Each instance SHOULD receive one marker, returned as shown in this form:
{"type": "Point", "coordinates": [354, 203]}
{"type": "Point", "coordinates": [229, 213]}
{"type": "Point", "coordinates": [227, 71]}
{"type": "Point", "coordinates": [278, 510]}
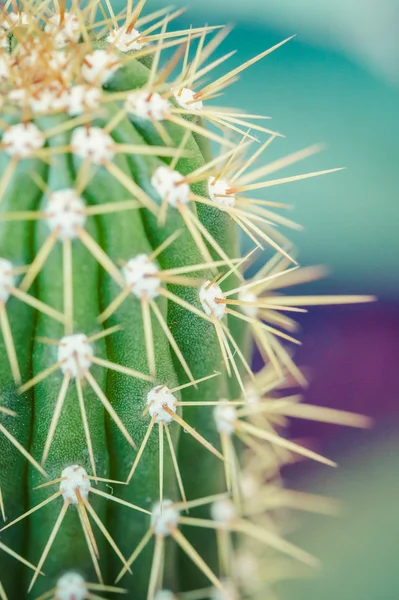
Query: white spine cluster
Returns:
{"type": "Point", "coordinates": [185, 99]}
{"type": "Point", "coordinates": [147, 105]}
{"type": "Point", "coordinates": [99, 66]}
{"type": "Point", "coordinates": [65, 213]}
{"type": "Point", "coordinates": [75, 351]}
{"type": "Point", "coordinates": [81, 98]}
{"type": "Point", "coordinates": [248, 296]}
{"type": "Point", "coordinates": [249, 485]}
{"type": "Point", "coordinates": [48, 100]}
{"type": "Point", "coordinates": [218, 193]}
{"type": "Point", "coordinates": [93, 143]}
{"type": "Point", "coordinates": [74, 478]}
{"type": "Point", "coordinates": [170, 186]}
{"type": "Point", "coordinates": [15, 19]}
{"type": "Point", "coordinates": [247, 570]}
{"type": "Point", "coordinates": [125, 40]}
{"type": "Point", "coordinates": [22, 140]}
{"type": "Point", "coordinates": [225, 417]}
{"type": "Point", "coordinates": [223, 512]}
{"type": "Point", "coordinates": [140, 276]}
{"type": "Point", "coordinates": [253, 396]}
{"type": "Point", "coordinates": [208, 294]}
{"type": "Point", "coordinates": [6, 279]}
{"type": "Point", "coordinates": [63, 32]}
{"type": "Point", "coordinates": [71, 586]}
{"type": "Point", "coordinates": [157, 398]}
{"type": "Point", "coordinates": [164, 518]}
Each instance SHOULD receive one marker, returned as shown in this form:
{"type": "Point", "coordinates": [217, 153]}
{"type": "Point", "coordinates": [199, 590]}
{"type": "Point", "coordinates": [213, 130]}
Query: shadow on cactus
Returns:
{"type": "Point", "coordinates": [137, 447]}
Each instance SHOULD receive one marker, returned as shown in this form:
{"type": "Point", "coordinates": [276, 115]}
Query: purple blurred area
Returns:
{"type": "Point", "coordinates": [351, 358]}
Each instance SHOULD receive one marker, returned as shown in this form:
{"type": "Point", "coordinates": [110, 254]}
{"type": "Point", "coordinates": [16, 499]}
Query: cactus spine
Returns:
{"type": "Point", "coordinates": [134, 435]}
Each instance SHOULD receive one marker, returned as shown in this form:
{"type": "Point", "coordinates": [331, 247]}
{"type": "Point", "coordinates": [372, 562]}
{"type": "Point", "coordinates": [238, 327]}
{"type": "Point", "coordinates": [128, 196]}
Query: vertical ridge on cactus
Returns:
{"type": "Point", "coordinates": [127, 319]}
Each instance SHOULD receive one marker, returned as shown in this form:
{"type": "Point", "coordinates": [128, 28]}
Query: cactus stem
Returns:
{"type": "Point", "coordinates": [53, 534]}
{"type": "Point", "coordinates": [175, 464]}
{"type": "Point", "coordinates": [106, 533]}
{"type": "Point", "coordinates": [138, 550]}
{"type": "Point", "coordinates": [8, 175]}
{"type": "Point", "coordinates": [57, 413]}
{"type": "Point", "coordinates": [195, 557]}
{"type": "Point", "coordinates": [36, 266]}
{"type": "Point", "coordinates": [97, 120]}
{"type": "Point", "coordinates": [17, 556]}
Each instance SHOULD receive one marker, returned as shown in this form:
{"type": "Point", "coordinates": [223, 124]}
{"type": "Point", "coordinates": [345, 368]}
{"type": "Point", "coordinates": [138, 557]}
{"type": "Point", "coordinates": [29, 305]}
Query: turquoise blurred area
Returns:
{"type": "Point", "coordinates": [316, 94]}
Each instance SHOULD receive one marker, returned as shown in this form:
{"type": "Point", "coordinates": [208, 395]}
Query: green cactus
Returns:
{"type": "Point", "coordinates": [128, 402]}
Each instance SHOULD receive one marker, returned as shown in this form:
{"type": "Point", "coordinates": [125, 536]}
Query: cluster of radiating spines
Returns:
{"type": "Point", "coordinates": [49, 71]}
{"type": "Point", "coordinates": [237, 511]}
{"type": "Point", "coordinates": [72, 586]}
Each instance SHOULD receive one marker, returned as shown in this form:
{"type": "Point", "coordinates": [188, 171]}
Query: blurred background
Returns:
{"type": "Point", "coordinates": [337, 82]}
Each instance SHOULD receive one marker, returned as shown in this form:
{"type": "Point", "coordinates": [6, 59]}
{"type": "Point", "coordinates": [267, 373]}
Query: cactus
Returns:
{"type": "Point", "coordinates": [138, 448]}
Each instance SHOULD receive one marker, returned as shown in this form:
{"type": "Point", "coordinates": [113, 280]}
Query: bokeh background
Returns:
{"type": "Point", "coordinates": [337, 82]}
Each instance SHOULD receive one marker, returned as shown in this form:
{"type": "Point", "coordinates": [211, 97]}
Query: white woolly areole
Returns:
{"type": "Point", "coordinates": [248, 296]}
{"type": "Point", "coordinates": [81, 98]}
{"type": "Point", "coordinates": [99, 66]}
{"type": "Point", "coordinates": [22, 140]}
{"type": "Point", "coordinates": [157, 398]}
{"type": "Point", "coordinates": [223, 512]}
{"type": "Point", "coordinates": [13, 19]}
{"type": "Point", "coordinates": [75, 351]}
{"type": "Point", "coordinates": [164, 517]}
{"type": "Point", "coordinates": [246, 568]}
{"type": "Point", "coordinates": [146, 105]}
{"type": "Point", "coordinates": [249, 485]}
{"type": "Point", "coordinates": [66, 212]}
{"type": "Point", "coordinates": [18, 96]}
{"type": "Point", "coordinates": [225, 417]}
{"type": "Point", "coordinates": [252, 394]}
{"type": "Point", "coordinates": [170, 186]}
{"type": "Point", "coordinates": [217, 191]}
{"type": "Point", "coordinates": [228, 592]}
{"type": "Point", "coordinates": [164, 595]}
{"type": "Point", "coordinates": [6, 279]}
{"type": "Point", "coordinates": [139, 274]}
{"type": "Point", "coordinates": [208, 294]}
{"type": "Point", "coordinates": [74, 478]}
{"type": "Point", "coordinates": [59, 62]}
{"type": "Point", "coordinates": [48, 99]}
{"type": "Point", "coordinates": [185, 99]}
{"type": "Point", "coordinates": [62, 33]}
{"type": "Point", "coordinates": [125, 40]}
{"type": "Point", "coordinates": [93, 142]}
{"type": "Point", "coordinates": [71, 586]}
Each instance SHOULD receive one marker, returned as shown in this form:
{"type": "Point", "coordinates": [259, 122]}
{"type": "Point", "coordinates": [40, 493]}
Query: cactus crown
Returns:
{"type": "Point", "coordinates": [128, 318]}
